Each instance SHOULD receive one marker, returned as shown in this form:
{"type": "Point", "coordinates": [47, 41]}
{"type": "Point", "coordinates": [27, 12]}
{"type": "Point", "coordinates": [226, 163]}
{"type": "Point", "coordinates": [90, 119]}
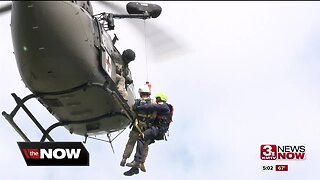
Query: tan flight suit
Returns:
{"type": "Point", "coordinates": [131, 143]}
{"type": "Point", "coordinates": [120, 81]}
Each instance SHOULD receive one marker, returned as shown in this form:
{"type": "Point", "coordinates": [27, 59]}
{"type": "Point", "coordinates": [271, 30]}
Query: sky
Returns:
{"type": "Point", "coordinates": [239, 74]}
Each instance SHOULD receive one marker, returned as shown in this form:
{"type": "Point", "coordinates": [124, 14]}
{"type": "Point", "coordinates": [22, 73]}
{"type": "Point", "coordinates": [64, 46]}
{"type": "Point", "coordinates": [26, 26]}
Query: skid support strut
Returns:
{"type": "Point", "coordinates": [20, 104]}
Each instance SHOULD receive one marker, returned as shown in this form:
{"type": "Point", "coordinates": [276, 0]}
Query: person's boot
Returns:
{"type": "Point", "coordinates": [133, 164]}
{"type": "Point", "coordinates": [131, 171]}
{"type": "Point", "coordinates": [123, 162]}
{"type": "Point", "coordinates": [142, 167]}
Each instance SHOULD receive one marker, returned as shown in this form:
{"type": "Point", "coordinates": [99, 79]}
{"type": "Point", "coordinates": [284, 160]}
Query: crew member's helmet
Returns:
{"type": "Point", "coordinates": [144, 90]}
{"type": "Point", "coordinates": [163, 96]}
{"type": "Point", "coordinates": [128, 56]}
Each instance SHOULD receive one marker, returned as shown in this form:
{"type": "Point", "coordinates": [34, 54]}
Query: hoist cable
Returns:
{"type": "Point", "coordinates": [145, 48]}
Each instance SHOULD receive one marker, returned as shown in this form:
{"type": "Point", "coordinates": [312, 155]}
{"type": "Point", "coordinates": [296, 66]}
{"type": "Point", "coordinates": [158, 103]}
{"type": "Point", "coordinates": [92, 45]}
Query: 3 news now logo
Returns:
{"type": "Point", "coordinates": [286, 152]}
{"type": "Point", "coordinates": [54, 153]}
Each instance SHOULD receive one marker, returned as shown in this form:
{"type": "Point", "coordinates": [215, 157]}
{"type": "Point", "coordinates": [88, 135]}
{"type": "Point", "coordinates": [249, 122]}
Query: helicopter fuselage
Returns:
{"type": "Point", "coordinates": [65, 57]}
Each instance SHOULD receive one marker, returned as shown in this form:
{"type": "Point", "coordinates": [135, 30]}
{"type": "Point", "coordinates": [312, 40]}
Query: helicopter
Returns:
{"type": "Point", "coordinates": [67, 59]}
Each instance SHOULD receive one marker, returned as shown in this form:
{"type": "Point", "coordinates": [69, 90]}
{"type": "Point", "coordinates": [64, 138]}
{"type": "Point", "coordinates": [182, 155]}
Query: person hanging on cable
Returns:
{"type": "Point", "coordinates": [140, 124]}
{"type": "Point", "coordinates": [159, 126]}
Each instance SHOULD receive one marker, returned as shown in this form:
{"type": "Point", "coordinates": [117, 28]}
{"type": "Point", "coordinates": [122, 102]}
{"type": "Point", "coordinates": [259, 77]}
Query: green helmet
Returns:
{"type": "Point", "coordinates": [162, 96]}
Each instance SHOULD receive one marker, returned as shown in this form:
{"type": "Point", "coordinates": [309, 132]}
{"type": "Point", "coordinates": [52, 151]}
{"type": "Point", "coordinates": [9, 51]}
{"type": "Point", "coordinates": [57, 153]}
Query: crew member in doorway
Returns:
{"type": "Point", "coordinates": [123, 74]}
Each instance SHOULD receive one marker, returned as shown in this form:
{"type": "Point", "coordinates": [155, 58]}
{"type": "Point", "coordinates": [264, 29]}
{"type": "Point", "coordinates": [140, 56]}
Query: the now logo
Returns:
{"type": "Point", "coordinates": [54, 153]}
{"type": "Point", "coordinates": [58, 153]}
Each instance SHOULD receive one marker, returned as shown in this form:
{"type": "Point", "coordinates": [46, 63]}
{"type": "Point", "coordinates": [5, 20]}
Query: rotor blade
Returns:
{"type": "Point", "coordinates": [5, 8]}
{"type": "Point", "coordinates": [163, 44]}
{"type": "Point", "coordinates": [117, 8]}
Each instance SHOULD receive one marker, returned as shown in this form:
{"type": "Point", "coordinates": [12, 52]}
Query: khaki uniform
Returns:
{"type": "Point", "coordinates": [121, 86]}
{"type": "Point", "coordinates": [121, 81]}
{"type": "Point", "coordinates": [134, 134]}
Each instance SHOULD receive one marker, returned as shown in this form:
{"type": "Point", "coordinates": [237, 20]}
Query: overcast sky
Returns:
{"type": "Point", "coordinates": [239, 74]}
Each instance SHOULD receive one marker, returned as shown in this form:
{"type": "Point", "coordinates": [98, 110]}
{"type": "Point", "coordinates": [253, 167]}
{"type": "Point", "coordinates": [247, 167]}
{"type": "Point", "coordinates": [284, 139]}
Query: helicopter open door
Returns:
{"type": "Point", "coordinates": [109, 56]}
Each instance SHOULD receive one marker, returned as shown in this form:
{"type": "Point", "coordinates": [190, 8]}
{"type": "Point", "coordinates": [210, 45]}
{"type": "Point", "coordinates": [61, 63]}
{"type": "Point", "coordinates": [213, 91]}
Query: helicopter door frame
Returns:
{"type": "Point", "coordinates": [105, 61]}
{"type": "Point", "coordinates": [105, 52]}
{"type": "Point", "coordinates": [96, 29]}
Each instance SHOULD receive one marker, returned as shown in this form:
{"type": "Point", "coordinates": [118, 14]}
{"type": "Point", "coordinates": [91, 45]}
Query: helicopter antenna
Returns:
{"type": "Point", "coordinates": [145, 49]}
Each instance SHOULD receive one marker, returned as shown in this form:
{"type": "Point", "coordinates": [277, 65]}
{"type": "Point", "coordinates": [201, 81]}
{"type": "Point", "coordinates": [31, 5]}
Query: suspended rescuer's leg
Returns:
{"type": "Point", "coordinates": [133, 135]}
{"type": "Point", "coordinates": [149, 135]}
{"type": "Point", "coordinates": [144, 156]}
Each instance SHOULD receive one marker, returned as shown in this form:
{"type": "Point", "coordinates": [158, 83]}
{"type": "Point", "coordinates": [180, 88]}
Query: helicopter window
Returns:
{"type": "Point", "coordinates": [96, 33]}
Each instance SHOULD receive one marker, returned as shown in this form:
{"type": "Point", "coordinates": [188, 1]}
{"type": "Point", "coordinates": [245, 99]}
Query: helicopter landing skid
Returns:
{"type": "Point", "coordinates": [108, 136]}
{"type": "Point", "coordinates": [20, 104]}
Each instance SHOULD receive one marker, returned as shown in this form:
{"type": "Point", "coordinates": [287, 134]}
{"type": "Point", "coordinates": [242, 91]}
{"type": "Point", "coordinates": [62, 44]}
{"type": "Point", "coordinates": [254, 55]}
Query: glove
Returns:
{"type": "Point", "coordinates": [129, 81]}
{"type": "Point", "coordinates": [142, 135]}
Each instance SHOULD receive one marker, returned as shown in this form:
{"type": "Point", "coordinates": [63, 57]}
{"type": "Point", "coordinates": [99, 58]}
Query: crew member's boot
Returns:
{"type": "Point", "coordinates": [142, 167]}
{"type": "Point", "coordinates": [123, 162]}
{"type": "Point", "coordinates": [133, 164]}
{"type": "Point", "coordinates": [131, 171]}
